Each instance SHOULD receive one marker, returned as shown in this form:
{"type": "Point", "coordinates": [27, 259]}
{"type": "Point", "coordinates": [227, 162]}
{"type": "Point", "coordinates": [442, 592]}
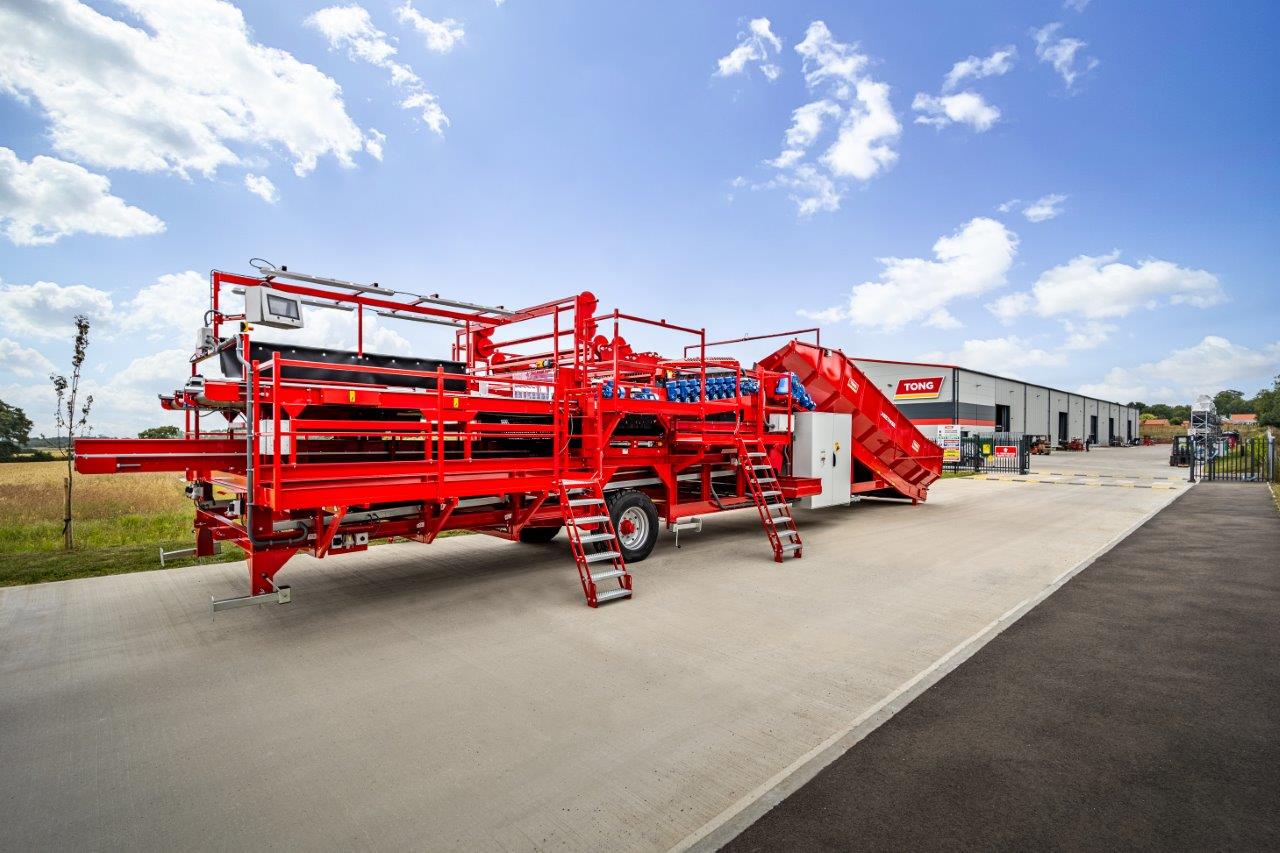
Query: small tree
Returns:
{"type": "Point", "coordinates": [15, 430]}
{"type": "Point", "coordinates": [70, 420]}
{"type": "Point", "coordinates": [160, 432]}
{"type": "Point", "coordinates": [1231, 402]}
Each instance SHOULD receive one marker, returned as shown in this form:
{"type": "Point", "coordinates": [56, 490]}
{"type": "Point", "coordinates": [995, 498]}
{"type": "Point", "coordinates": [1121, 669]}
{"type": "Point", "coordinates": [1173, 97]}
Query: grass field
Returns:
{"type": "Point", "coordinates": [121, 523]}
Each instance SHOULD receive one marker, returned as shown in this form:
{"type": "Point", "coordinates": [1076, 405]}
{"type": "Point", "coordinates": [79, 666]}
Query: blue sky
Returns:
{"type": "Point", "coordinates": [605, 146]}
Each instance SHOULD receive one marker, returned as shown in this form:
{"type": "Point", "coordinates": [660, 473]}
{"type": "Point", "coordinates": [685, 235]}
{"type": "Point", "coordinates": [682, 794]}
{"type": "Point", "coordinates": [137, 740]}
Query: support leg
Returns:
{"type": "Point", "coordinates": [263, 566]}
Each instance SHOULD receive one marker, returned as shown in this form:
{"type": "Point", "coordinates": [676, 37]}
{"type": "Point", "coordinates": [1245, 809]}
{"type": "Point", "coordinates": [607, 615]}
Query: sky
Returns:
{"type": "Point", "coordinates": [1084, 194]}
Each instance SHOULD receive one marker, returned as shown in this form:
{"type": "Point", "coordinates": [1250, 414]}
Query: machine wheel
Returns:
{"type": "Point", "coordinates": [635, 520]}
{"type": "Point", "coordinates": [538, 535]}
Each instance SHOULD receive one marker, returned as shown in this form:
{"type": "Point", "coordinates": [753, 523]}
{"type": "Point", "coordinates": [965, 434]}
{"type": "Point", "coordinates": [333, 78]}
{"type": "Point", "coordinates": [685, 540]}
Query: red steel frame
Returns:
{"type": "Point", "coordinates": [314, 483]}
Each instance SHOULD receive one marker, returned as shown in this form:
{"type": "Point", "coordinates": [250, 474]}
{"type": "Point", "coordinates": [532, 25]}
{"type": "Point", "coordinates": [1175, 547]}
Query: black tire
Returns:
{"type": "Point", "coordinates": [538, 535]}
{"type": "Point", "coordinates": [631, 503]}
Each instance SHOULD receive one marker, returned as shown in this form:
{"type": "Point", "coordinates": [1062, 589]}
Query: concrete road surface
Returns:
{"type": "Point", "coordinates": [461, 695]}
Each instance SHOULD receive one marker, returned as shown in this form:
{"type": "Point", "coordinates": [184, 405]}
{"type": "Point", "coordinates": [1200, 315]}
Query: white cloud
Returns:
{"type": "Point", "coordinates": [806, 125]}
{"type": "Point", "coordinates": [1101, 286]}
{"type": "Point", "coordinates": [967, 107]}
{"type": "Point", "coordinates": [1006, 356]}
{"type": "Point", "coordinates": [1007, 206]}
{"type": "Point", "coordinates": [164, 368]}
{"type": "Point", "coordinates": [44, 310]}
{"type": "Point", "coordinates": [1062, 53]}
{"type": "Point", "coordinates": [47, 199]}
{"type": "Point", "coordinates": [440, 36]}
{"type": "Point", "coordinates": [186, 89]}
{"type": "Point", "coordinates": [23, 361]}
{"type": "Point", "coordinates": [373, 143]}
{"type": "Point", "coordinates": [170, 308]}
{"type": "Point", "coordinates": [998, 63]}
{"type": "Point", "coordinates": [756, 45]}
{"type": "Point", "coordinates": [962, 108]}
{"type": "Point", "coordinates": [812, 191]}
{"type": "Point", "coordinates": [1089, 334]}
{"type": "Point", "coordinates": [970, 262]}
{"type": "Point", "coordinates": [854, 112]}
{"type": "Point", "coordinates": [864, 145]}
{"type": "Point", "coordinates": [261, 186]}
{"type": "Point", "coordinates": [351, 29]}
{"type": "Point", "coordinates": [1204, 368]}
{"type": "Point", "coordinates": [1045, 207]}
{"type": "Point", "coordinates": [827, 60]}
{"type": "Point", "coordinates": [1011, 306]}
{"type": "Point", "coordinates": [1075, 5]}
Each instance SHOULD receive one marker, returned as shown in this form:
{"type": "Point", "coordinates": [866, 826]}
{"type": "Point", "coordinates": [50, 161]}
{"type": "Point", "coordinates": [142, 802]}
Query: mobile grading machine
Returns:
{"type": "Point", "coordinates": [544, 418]}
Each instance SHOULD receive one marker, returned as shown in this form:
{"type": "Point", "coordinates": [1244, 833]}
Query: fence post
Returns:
{"type": "Point", "coordinates": [1191, 459]}
{"type": "Point", "coordinates": [1271, 457]}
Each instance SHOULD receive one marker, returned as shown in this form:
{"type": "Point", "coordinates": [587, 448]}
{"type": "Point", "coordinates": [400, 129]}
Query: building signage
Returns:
{"type": "Point", "coordinates": [949, 441]}
{"type": "Point", "coordinates": [927, 388]}
{"type": "Point", "coordinates": [1003, 450]}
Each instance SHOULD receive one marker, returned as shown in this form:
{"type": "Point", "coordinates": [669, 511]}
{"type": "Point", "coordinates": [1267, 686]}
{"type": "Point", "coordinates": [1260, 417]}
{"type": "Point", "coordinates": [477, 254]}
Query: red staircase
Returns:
{"type": "Point", "coordinates": [766, 491]}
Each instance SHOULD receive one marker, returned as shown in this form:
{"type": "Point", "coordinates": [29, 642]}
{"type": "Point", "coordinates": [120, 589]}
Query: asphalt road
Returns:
{"type": "Point", "coordinates": [1134, 709]}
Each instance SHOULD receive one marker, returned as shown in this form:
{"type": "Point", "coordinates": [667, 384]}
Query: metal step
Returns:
{"type": "Point", "coordinates": [589, 519]}
{"type": "Point", "coordinates": [602, 555]}
{"type": "Point", "coordinates": [762, 467]}
{"type": "Point", "coordinates": [602, 597]}
{"type": "Point", "coordinates": [687, 525]}
{"type": "Point", "coordinates": [788, 532]}
{"type": "Point", "coordinates": [794, 546]}
{"type": "Point", "coordinates": [757, 454]}
{"type": "Point", "coordinates": [766, 479]}
{"type": "Point", "coordinates": [595, 537]}
{"type": "Point", "coordinates": [585, 501]}
{"type": "Point", "coordinates": [604, 576]}
{"type": "Point", "coordinates": [770, 493]}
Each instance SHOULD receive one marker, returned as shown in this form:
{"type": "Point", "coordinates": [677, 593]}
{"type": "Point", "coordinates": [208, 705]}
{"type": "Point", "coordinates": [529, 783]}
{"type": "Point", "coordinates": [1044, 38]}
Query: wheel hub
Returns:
{"type": "Point", "coordinates": [633, 528]}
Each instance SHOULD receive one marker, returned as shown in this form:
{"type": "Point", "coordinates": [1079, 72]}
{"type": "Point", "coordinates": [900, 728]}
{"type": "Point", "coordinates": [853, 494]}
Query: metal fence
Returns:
{"type": "Point", "coordinates": [1248, 460]}
{"type": "Point", "coordinates": [1004, 452]}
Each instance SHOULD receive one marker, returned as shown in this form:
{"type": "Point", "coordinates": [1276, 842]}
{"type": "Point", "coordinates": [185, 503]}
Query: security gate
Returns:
{"type": "Point", "coordinates": [1250, 460]}
{"type": "Point", "coordinates": [1003, 452]}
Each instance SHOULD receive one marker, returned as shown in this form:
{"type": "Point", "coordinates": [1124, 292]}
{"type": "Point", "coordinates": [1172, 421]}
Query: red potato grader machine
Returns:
{"type": "Point", "coordinates": [544, 418]}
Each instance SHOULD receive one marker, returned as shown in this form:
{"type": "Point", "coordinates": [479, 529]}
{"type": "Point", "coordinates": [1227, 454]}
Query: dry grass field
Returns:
{"type": "Point", "coordinates": [120, 522]}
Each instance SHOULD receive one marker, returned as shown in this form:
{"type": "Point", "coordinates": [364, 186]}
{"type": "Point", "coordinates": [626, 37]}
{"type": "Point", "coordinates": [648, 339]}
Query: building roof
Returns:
{"type": "Point", "coordinates": [857, 358]}
{"type": "Point", "coordinates": [1243, 418]}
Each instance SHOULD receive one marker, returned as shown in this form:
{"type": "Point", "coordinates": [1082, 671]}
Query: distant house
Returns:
{"type": "Point", "coordinates": [1156, 422]}
{"type": "Point", "coordinates": [1241, 418]}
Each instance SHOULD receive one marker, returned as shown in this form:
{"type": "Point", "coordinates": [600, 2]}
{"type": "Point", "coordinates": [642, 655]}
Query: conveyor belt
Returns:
{"type": "Point", "coordinates": [884, 439]}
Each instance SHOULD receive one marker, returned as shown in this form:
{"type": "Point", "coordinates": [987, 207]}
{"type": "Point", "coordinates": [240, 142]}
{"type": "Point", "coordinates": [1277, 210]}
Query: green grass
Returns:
{"type": "Point", "coordinates": [121, 523]}
{"type": "Point", "coordinates": [951, 475]}
{"type": "Point", "coordinates": [45, 566]}
{"type": "Point", "coordinates": [32, 552]}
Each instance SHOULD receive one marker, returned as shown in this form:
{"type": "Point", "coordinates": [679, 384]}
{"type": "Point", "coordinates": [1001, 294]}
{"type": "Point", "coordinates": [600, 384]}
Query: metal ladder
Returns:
{"type": "Point", "coordinates": [775, 513]}
{"type": "Point", "coordinates": [582, 506]}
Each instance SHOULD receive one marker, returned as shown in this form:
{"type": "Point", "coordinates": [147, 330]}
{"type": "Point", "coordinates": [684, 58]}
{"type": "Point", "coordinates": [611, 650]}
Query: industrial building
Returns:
{"type": "Point", "coordinates": [936, 394]}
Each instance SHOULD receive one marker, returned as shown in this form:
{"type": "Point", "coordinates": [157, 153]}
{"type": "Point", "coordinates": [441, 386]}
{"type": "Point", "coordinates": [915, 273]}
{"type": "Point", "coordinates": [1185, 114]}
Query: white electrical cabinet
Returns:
{"type": "Point", "coordinates": [821, 448]}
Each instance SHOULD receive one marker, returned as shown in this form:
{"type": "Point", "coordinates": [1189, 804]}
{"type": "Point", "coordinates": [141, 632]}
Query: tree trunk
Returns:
{"type": "Point", "coordinates": [68, 540]}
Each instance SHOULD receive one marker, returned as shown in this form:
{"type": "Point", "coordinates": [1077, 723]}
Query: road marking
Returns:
{"type": "Point", "coordinates": [1076, 483]}
{"type": "Point", "coordinates": [1106, 476]}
